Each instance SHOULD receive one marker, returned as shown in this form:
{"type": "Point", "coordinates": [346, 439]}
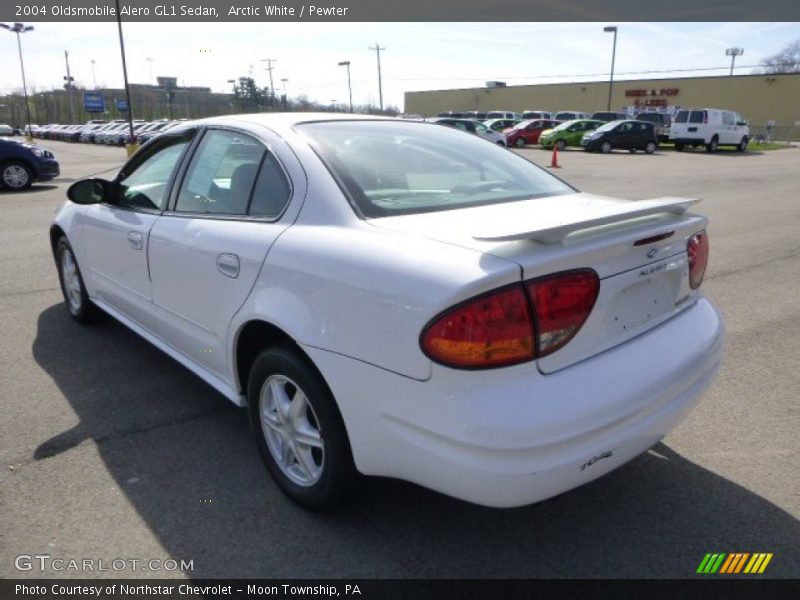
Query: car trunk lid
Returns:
{"type": "Point", "coordinates": [637, 248]}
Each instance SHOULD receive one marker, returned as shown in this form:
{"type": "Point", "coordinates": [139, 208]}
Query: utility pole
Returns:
{"type": "Point", "coordinates": [378, 49]}
{"type": "Point", "coordinates": [94, 77]}
{"type": "Point", "coordinates": [69, 79]}
{"type": "Point", "coordinates": [269, 68]}
{"type": "Point", "coordinates": [611, 29]}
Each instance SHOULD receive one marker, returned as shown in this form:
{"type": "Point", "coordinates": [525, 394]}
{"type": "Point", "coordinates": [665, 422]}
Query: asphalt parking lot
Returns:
{"type": "Point", "coordinates": [111, 450]}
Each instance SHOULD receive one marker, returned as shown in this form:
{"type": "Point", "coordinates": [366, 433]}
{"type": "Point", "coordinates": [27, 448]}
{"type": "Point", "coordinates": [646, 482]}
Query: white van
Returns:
{"type": "Point", "coordinates": [502, 114]}
{"type": "Point", "coordinates": [571, 115]}
{"type": "Point", "coordinates": [709, 127]}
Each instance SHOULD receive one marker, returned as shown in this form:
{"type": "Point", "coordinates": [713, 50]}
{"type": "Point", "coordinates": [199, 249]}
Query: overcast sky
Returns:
{"type": "Point", "coordinates": [418, 56]}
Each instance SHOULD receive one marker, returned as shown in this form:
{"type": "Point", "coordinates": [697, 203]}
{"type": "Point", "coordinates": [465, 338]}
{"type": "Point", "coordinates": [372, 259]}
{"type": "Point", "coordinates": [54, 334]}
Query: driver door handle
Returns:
{"type": "Point", "coordinates": [135, 240]}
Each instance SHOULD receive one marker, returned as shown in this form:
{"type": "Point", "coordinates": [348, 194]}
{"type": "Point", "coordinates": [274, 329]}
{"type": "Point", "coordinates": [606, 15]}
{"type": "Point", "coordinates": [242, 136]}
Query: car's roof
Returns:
{"type": "Point", "coordinates": [284, 121]}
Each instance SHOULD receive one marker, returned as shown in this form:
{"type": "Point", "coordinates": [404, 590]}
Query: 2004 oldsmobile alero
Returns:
{"type": "Point", "coordinates": [402, 299]}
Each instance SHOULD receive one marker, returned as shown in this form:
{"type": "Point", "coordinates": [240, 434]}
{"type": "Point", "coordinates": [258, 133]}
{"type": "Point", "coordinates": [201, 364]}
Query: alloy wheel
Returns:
{"type": "Point", "coordinates": [291, 430]}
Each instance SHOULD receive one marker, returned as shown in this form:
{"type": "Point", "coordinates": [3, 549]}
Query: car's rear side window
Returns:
{"type": "Point", "coordinates": [390, 168]}
{"type": "Point", "coordinates": [682, 116]}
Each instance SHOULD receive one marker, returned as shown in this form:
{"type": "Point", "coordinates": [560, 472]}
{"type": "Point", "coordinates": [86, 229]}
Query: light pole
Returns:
{"type": "Point", "coordinates": [609, 29]}
{"type": "Point", "coordinates": [150, 63]}
{"type": "Point", "coordinates": [378, 49]}
{"type": "Point", "coordinates": [132, 147]}
{"type": "Point", "coordinates": [346, 63]}
{"type": "Point", "coordinates": [21, 28]}
{"type": "Point", "coordinates": [94, 77]}
{"type": "Point", "coordinates": [733, 53]}
{"type": "Point", "coordinates": [285, 98]}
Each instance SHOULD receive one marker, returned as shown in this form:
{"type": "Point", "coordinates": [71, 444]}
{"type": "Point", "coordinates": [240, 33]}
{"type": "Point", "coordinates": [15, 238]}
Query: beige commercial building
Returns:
{"type": "Point", "coordinates": [760, 99]}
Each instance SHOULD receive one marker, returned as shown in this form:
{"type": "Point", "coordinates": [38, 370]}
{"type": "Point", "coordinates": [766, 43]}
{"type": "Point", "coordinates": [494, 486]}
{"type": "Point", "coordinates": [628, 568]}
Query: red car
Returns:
{"type": "Point", "coordinates": [528, 132]}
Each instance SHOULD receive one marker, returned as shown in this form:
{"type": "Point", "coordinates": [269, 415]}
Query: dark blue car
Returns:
{"type": "Point", "coordinates": [21, 164]}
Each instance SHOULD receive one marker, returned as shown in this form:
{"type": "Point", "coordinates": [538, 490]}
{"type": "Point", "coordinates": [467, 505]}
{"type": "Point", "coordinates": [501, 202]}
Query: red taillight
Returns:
{"type": "Point", "coordinates": [497, 329]}
{"type": "Point", "coordinates": [489, 331]}
{"type": "Point", "coordinates": [697, 250]}
{"type": "Point", "coordinates": [562, 303]}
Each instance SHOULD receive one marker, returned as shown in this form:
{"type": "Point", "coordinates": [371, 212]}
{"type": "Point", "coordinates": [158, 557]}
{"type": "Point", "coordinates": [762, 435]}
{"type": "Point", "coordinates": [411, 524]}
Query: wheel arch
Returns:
{"type": "Point", "coordinates": [56, 233]}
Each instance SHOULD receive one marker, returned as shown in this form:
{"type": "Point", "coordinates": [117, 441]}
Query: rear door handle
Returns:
{"type": "Point", "coordinates": [228, 265]}
{"type": "Point", "coordinates": [135, 240]}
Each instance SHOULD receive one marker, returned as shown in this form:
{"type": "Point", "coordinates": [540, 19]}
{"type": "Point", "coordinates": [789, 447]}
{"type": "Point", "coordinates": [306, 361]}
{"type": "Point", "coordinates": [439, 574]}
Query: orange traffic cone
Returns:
{"type": "Point", "coordinates": [554, 160]}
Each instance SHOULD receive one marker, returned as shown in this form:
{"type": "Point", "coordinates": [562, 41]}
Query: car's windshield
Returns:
{"type": "Point", "coordinates": [565, 125]}
{"type": "Point", "coordinates": [608, 126]}
{"type": "Point", "coordinates": [390, 168]}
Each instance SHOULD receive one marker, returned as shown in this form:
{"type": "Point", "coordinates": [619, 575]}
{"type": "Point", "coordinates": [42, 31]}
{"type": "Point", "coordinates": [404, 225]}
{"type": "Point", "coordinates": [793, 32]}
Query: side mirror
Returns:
{"type": "Point", "coordinates": [89, 191]}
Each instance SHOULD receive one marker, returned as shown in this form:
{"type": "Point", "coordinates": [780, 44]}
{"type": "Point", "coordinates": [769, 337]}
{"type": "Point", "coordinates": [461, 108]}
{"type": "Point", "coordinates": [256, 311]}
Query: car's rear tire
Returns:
{"type": "Point", "coordinates": [79, 305]}
{"type": "Point", "coordinates": [299, 431]}
{"type": "Point", "coordinates": [712, 145]}
{"type": "Point", "coordinates": [650, 147]}
{"type": "Point", "coordinates": [742, 145]}
{"type": "Point", "coordinates": [632, 150]}
{"type": "Point", "coordinates": [605, 147]}
{"type": "Point", "coordinates": [560, 145]}
{"type": "Point", "coordinates": [520, 143]}
{"type": "Point", "coordinates": [15, 175]}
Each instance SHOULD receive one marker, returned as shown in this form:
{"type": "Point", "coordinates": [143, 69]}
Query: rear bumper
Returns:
{"type": "Point", "coordinates": [510, 437]}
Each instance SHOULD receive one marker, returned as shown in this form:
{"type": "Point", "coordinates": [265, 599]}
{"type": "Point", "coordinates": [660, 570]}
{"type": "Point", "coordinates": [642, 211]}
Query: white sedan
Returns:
{"type": "Point", "coordinates": [396, 298]}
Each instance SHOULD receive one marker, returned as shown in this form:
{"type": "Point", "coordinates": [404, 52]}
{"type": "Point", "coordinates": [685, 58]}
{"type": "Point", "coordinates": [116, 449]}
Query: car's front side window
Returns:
{"type": "Point", "coordinates": [147, 185]}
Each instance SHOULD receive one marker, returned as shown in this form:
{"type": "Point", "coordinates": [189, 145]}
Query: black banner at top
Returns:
{"type": "Point", "coordinates": [394, 11]}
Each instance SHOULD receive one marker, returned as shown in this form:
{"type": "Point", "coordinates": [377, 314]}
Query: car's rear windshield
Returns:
{"type": "Point", "coordinates": [652, 117]}
{"type": "Point", "coordinates": [389, 168]}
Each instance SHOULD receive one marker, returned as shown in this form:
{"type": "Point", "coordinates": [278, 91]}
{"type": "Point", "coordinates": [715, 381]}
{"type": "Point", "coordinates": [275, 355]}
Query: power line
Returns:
{"type": "Point", "coordinates": [516, 77]}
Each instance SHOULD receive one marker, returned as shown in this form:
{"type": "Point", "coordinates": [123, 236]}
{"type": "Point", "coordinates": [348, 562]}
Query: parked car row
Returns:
{"type": "Point", "coordinates": [563, 115]}
{"type": "Point", "coordinates": [111, 133]}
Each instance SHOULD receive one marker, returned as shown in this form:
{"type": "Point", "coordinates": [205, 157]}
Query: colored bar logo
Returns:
{"type": "Point", "coordinates": [734, 563]}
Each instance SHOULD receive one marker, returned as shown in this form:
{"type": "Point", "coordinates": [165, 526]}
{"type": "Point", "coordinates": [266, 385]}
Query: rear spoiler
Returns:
{"type": "Point", "coordinates": [554, 231]}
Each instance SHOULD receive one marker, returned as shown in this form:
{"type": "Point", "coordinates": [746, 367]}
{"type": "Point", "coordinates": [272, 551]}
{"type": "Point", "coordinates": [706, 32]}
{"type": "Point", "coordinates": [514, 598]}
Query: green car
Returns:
{"type": "Point", "coordinates": [568, 133]}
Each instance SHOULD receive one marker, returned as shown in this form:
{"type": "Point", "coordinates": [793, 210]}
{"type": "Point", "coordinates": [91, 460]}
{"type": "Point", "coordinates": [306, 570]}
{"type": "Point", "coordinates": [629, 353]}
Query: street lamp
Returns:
{"type": "Point", "coordinates": [609, 29]}
{"type": "Point", "coordinates": [94, 77]}
{"type": "Point", "coordinates": [346, 63]}
{"type": "Point", "coordinates": [21, 28]}
{"type": "Point", "coordinates": [733, 53]}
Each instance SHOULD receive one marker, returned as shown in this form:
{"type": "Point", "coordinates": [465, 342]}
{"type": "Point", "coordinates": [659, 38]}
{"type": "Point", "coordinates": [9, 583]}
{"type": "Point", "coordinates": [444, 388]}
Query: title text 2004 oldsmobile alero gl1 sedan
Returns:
{"type": "Point", "coordinates": [401, 299]}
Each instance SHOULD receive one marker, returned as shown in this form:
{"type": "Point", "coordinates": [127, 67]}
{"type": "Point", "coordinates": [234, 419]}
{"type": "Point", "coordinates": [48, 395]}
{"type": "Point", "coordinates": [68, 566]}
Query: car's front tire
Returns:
{"type": "Point", "coordinates": [605, 147]}
{"type": "Point", "coordinates": [15, 175]}
{"type": "Point", "coordinates": [742, 145]}
{"type": "Point", "coordinates": [77, 300]}
{"type": "Point", "coordinates": [561, 145]}
{"type": "Point", "coordinates": [520, 143]}
{"type": "Point", "coordinates": [299, 431]}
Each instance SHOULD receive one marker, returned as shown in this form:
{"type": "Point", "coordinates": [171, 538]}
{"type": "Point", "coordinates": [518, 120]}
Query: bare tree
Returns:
{"type": "Point", "coordinates": [785, 61]}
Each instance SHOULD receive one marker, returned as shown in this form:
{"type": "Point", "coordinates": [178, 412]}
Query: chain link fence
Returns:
{"type": "Point", "coordinates": [774, 133]}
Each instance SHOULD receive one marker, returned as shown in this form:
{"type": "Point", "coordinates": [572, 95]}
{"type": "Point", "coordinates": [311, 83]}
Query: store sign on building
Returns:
{"type": "Point", "coordinates": [653, 97]}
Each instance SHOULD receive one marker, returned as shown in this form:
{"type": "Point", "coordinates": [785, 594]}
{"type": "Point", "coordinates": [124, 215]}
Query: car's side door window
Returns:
{"type": "Point", "coordinates": [221, 175]}
{"type": "Point", "coordinates": [147, 185]}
